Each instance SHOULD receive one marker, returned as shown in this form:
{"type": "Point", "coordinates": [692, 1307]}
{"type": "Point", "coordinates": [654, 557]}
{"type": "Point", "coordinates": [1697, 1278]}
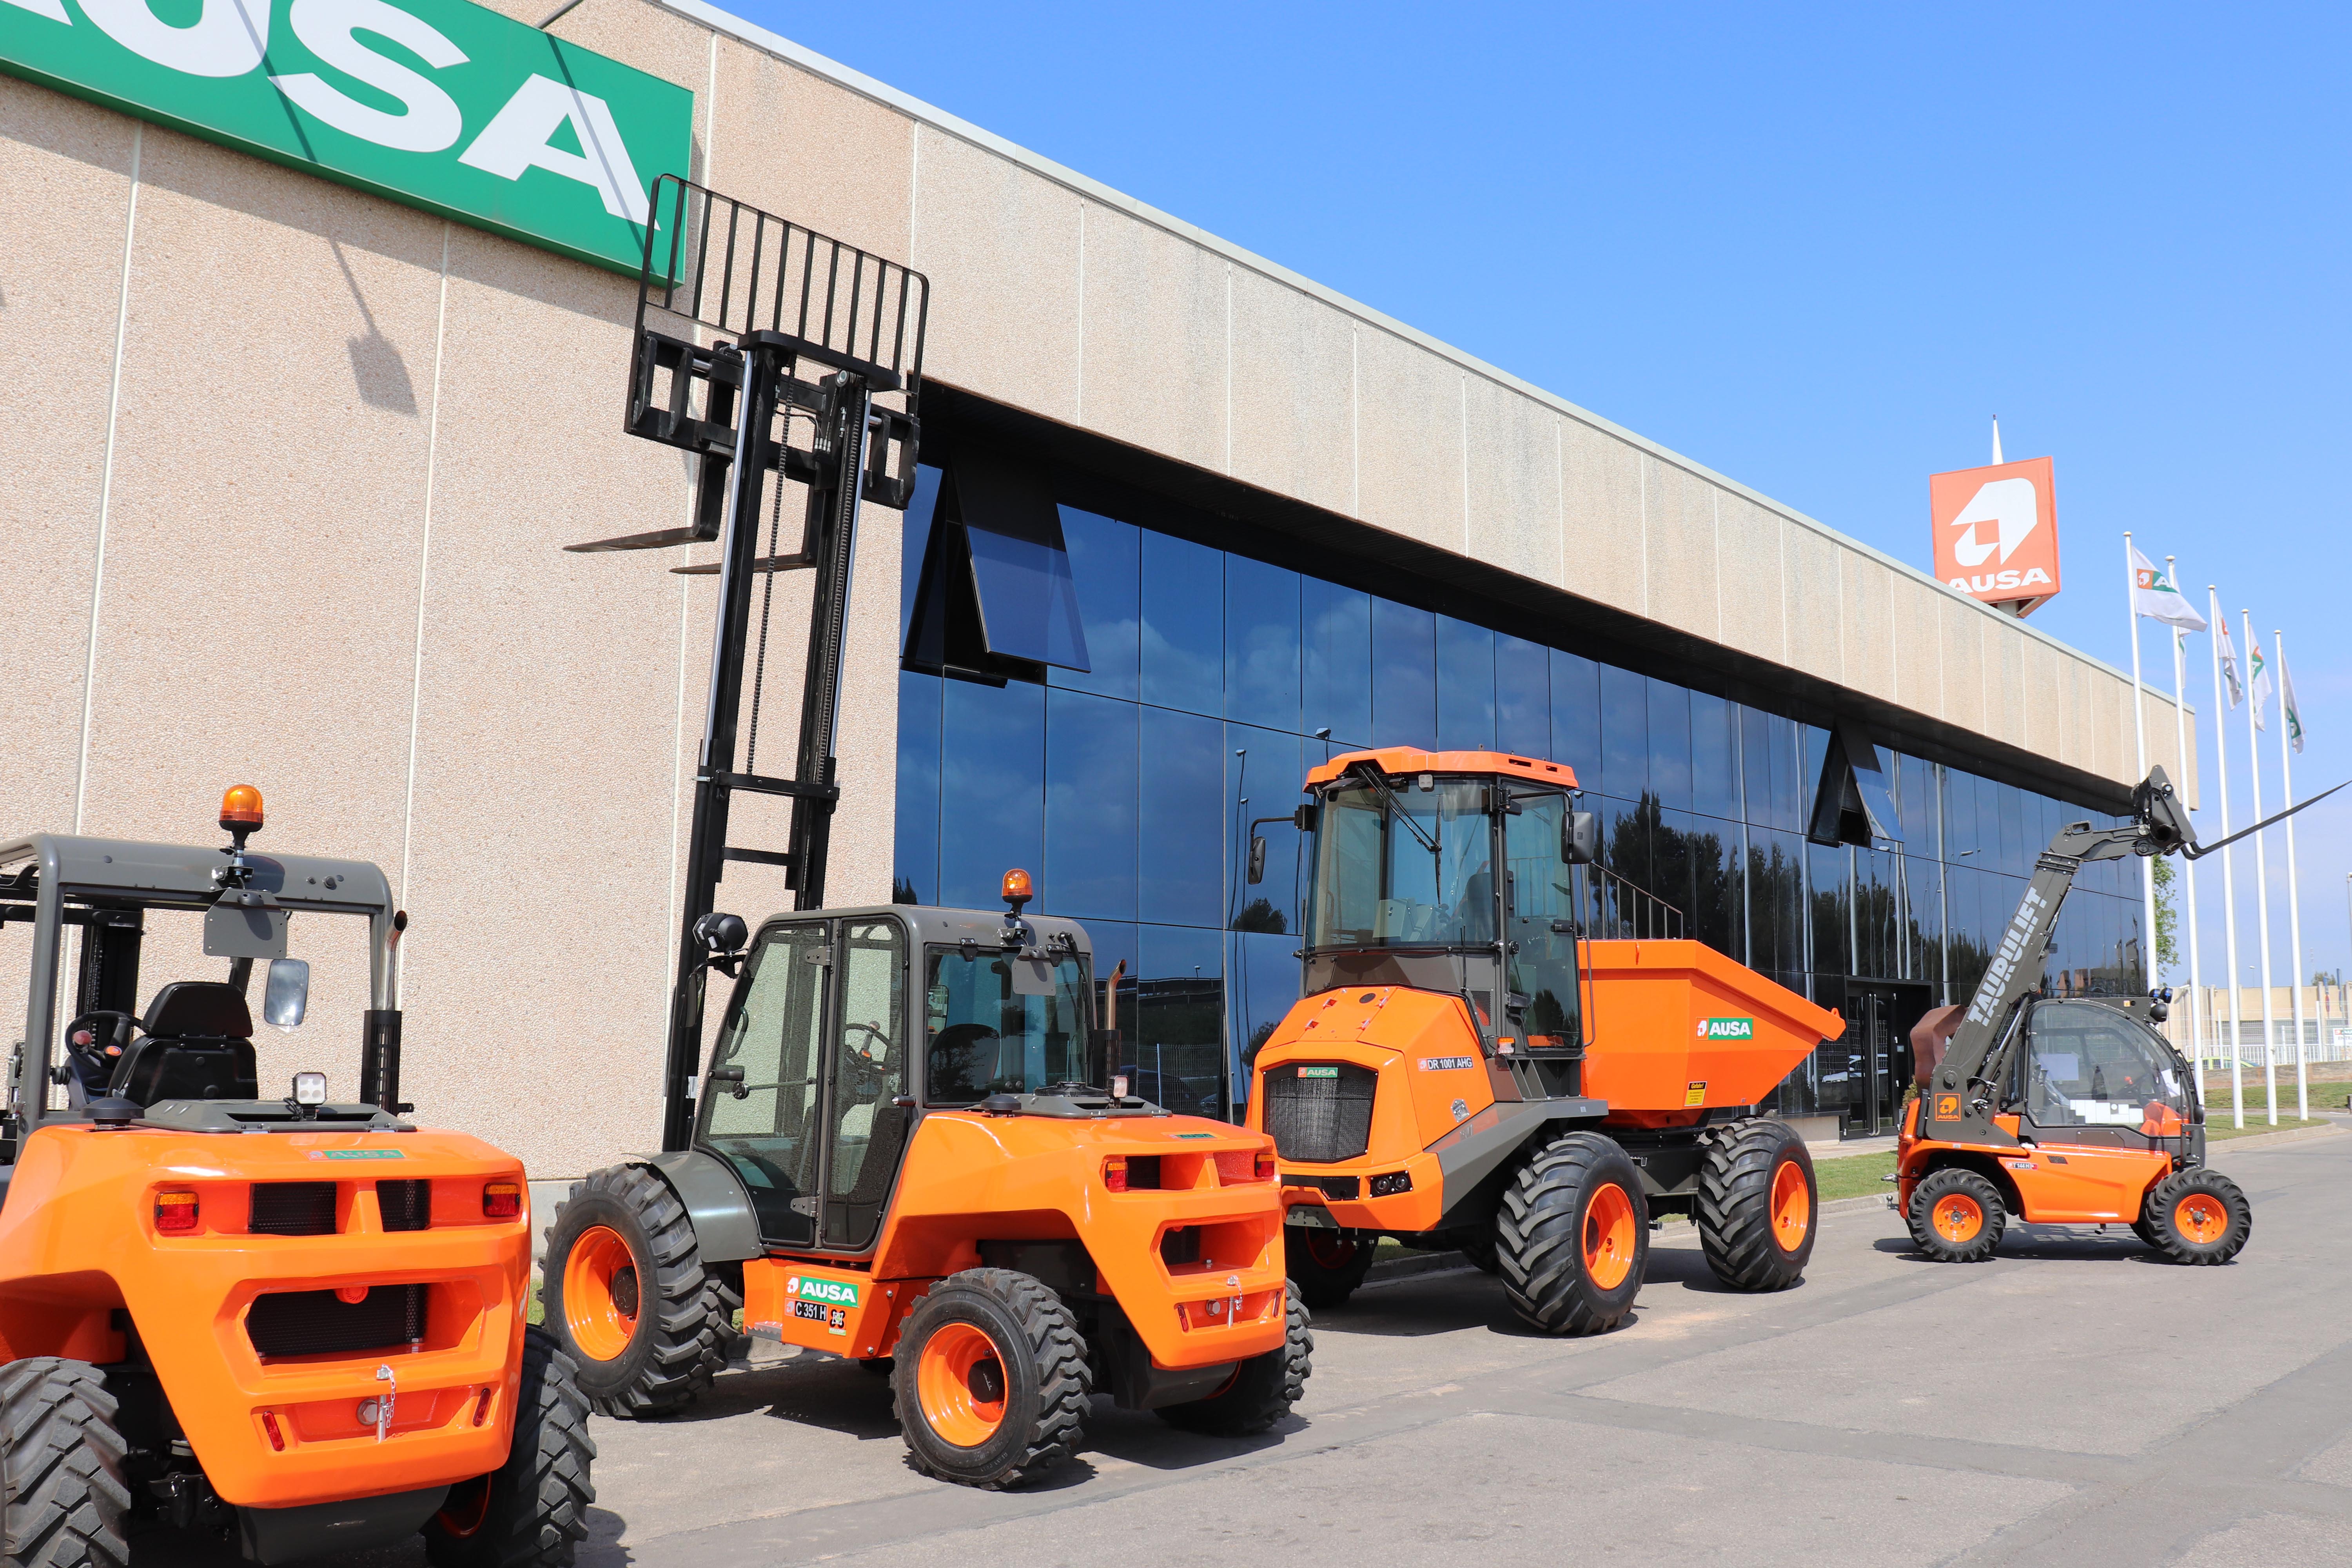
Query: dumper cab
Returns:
{"type": "Point", "coordinates": [1505, 1049]}
{"type": "Point", "coordinates": [909, 1151]}
{"type": "Point", "coordinates": [271, 1313]}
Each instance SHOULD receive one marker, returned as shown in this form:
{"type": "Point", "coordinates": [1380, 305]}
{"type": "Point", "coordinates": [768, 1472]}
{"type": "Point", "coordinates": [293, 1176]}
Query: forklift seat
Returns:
{"type": "Point", "coordinates": [198, 1044]}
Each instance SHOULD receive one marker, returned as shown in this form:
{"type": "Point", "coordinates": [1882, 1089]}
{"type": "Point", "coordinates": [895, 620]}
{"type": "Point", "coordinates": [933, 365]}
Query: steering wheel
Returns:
{"type": "Point", "coordinates": [96, 1041]}
{"type": "Point", "coordinates": [881, 1051]}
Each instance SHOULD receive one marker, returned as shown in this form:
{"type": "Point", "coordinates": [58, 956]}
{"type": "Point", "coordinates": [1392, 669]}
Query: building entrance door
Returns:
{"type": "Point", "coordinates": [1879, 1016]}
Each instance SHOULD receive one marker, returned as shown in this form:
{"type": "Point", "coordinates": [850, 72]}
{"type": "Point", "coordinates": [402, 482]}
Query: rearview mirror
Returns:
{"type": "Point", "coordinates": [1256, 860]}
{"type": "Point", "coordinates": [285, 996]}
{"type": "Point", "coordinates": [1579, 839]}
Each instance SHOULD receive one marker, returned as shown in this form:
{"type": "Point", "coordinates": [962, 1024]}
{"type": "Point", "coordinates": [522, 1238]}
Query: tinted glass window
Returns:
{"type": "Point", "coordinates": [1265, 987]}
{"type": "Point", "coordinates": [766, 1127]}
{"type": "Point", "coordinates": [1183, 808]}
{"type": "Point", "coordinates": [1624, 734]}
{"type": "Point", "coordinates": [1261, 643]}
{"type": "Point", "coordinates": [1404, 676]}
{"type": "Point", "coordinates": [1028, 603]}
{"type": "Point", "coordinates": [1091, 787]}
{"type": "Point", "coordinates": [1183, 624]}
{"type": "Point", "coordinates": [1413, 870]}
{"type": "Point", "coordinates": [1523, 699]}
{"type": "Point", "coordinates": [1335, 663]}
{"type": "Point", "coordinates": [1177, 1050]}
{"type": "Point", "coordinates": [1466, 686]}
{"type": "Point", "coordinates": [917, 850]}
{"type": "Point", "coordinates": [1670, 744]}
{"type": "Point", "coordinates": [2086, 1065]}
{"type": "Point", "coordinates": [996, 1023]}
{"type": "Point", "coordinates": [993, 788]}
{"type": "Point", "coordinates": [1715, 756]}
{"type": "Point", "coordinates": [869, 1071]}
{"type": "Point", "coordinates": [1104, 562]}
{"type": "Point", "coordinates": [916, 522]}
{"type": "Point", "coordinates": [1266, 771]}
{"type": "Point", "coordinates": [1576, 717]}
{"type": "Point", "coordinates": [1829, 892]}
{"type": "Point", "coordinates": [1542, 890]}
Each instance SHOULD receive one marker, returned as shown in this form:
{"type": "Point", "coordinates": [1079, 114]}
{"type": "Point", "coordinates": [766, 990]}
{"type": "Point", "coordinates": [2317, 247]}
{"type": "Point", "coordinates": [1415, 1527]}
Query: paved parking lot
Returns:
{"type": "Point", "coordinates": [2072, 1402]}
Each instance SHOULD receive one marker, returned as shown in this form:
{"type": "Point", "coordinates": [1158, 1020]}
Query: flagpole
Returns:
{"type": "Point", "coordinates": [2293, 901]}
{"type": "Point", "coordinates": [2147, 950]}
{"type": "Point", "coordinates": [2187, 916]}
{"type": "Point", "coordinates": [2262, 872]}
{"type": "Point", "coordinates": [2229, 873]}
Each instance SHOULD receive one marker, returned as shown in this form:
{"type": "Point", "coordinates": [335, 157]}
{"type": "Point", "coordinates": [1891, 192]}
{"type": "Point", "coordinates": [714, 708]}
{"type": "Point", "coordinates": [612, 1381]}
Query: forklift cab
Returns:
{"type": "Point", "coordinates": [845, 1025]}
{"type": "Point", "coordinates": [2092, 1074]}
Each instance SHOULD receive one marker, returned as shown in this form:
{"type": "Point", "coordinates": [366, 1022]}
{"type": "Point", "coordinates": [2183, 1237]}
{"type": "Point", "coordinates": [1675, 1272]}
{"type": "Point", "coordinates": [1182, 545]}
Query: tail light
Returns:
{"type": "Point", "coordinates": [1236, 1166]}
{"type": "Point", "coordinates": [482, 1407]}
{"type": "Point", "coordinates": [1115, 1172]}
{"type": "Point", "coordinates": [502, 1200]}
{"type": "Point", "coordinates": [175, 1211]}
{"type": "Point", "coordinates": [269, 1425]}
{"type": "Point", "coordinates": [1266, 1165]}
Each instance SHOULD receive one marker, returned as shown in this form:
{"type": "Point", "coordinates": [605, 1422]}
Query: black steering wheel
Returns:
{"type": "Point", "coordinates": [95, 1042]}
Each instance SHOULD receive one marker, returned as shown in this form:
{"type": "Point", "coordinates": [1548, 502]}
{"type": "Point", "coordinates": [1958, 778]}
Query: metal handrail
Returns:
{"type": "Point", "coordinates": [1637, 915]}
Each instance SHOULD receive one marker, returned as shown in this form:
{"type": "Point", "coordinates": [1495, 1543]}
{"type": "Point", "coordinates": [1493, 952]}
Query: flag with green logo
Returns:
{"type": "Point", "coordinates": [2155, 596]}
{"type": "Point", "coordinates": [2229, 651]}
{"type": "Point", "coordinates": [2286, 698]}
{"type": "Point", "coordinates": [2261, 684]}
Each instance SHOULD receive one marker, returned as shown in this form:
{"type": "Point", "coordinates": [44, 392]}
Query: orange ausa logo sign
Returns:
{"type": "Point", "coordinates": [1997, 532]}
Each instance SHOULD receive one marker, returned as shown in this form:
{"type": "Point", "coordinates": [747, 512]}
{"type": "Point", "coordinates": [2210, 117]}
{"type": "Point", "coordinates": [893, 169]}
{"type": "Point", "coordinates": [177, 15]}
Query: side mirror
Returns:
{"type": "Point", "coordinates": [1579, 839]}
{"type": "Point", "coordinates": [285, 996]}
{"type": "Point", "coordinates": [1256, 860]}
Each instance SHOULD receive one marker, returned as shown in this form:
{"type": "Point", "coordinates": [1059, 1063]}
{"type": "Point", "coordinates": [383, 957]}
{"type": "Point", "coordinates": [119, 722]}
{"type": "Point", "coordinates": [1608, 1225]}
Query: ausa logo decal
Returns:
{"type": "Point", "coordinates": [1726, 1028]}
{"type": "Point", "coordinates": [1947, 1108]}
{"type": "Point", "coordinates": [836, 1292]}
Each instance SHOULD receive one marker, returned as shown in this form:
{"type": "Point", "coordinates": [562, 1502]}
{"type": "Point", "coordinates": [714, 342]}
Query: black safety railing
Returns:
{"type": "Point", "coordinates": [1625, 911]}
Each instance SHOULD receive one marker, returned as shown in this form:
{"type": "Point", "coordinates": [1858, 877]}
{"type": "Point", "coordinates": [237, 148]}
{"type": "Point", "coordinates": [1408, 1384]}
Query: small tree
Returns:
{"type": "Point", "coordinates": [2168, 918]}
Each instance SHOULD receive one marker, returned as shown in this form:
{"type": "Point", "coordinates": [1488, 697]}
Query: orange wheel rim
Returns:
{"type": "Point", "coordinates": [2200, 1218]}
{"type": "Point", "coordinates": [1608, 1238]}
{"type": "Point", "coordinates": [1958, 1217]}
{"type": "Point", "coordinates": [1330, 1251]}
{"type": "Point", "coordinates": [960, 1382]}
{"type": "Point", "coordinates": [1792, 1205]}
{"type": "Point", "coordinates": [467, 1505]}
{"type": "Point", "coordinates": [600, 1294]}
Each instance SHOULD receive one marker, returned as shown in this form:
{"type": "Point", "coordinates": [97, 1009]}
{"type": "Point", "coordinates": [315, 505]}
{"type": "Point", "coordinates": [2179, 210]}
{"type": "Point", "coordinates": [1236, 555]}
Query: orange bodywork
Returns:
{"type": "Point", "coordinates": [2053, 1183]}
{"type": "Point", "coordinates": [1675, 1028]}
{"type": "Point", "coordinates": [1396, 760]}
{"type": "Point", "coordinates": [970, 1178]}
{"type": "Point", "coordinates": [78, 1241]}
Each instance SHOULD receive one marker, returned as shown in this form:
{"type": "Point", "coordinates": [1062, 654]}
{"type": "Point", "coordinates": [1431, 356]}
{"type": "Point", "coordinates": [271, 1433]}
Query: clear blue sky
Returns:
{"type": "Point", "coordinates": [1814, 248]}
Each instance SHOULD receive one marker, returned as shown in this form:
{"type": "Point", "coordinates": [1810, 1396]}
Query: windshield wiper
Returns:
{"type": "Point", "coordinates": [1370, 774]}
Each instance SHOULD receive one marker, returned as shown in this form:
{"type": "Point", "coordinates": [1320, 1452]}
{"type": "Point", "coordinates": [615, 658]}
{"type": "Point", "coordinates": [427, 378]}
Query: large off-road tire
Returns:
{"type": "Point", "coordinates": [532, 1511]}
{"type": "Point", "coordinates": [629, 1297]}
{"type": "Point", "coordinates": [991, 1382]}
{"type": "Point", "coordinates": [1574, 1235]}
{"type": "Point", "coordinates": [62, 1495]}
{"type": "Point", "coordinates": [1478, 1245]}
{"type": "Point", "coordinates": [1956, 1216]}
{"type": "Point", "coordinates": [1327, 1265]}
{"type": "Point", "coordinates": [2199, 1216]}
{"type": "Point", "coordinates": [1757, 1203]}
{"type": "Point", "coordinates": [1264, 1387]}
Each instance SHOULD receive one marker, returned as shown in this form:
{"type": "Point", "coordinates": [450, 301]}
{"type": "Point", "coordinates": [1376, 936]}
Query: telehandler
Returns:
{"type": "Point", "coordinates": [293, 1322]}
{"type": "Point", "coordinates": [2066, 1110]}
{"type": "Point", "coordinates": [1470, 1069]}
{"type": "Point", "coordinates": [908, 1149]}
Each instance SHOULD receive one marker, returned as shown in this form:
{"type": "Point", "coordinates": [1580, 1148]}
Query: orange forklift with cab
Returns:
{"type": "Point", "coordinates": [2062, 1110]}
{"type": "Point", "coordinates": [904, 1155]}
{"type": "Point", "coordinates": [291, 1322]}
{"type": "Point", "coordinates": [1506, 1049]}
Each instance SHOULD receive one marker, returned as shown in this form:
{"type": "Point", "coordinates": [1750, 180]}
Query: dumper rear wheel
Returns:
{"type": "Point", "coordinates": [1956, 1216]}
{"type": "Point", "coordinates": [1574, 1236]}
{"type": "Point", "coordinates": [629, 1297]}
{"type": "Point", "coordinates": [1757, 1202]}
{"type": "Point", "coordinates": [61, 1466]}
{"type": "Point", "coordinates": [1264, 1387]}
{"type": "Point", "coordinates": [991, 1381]}
{"type": "Point", "coordinates": [2199, 1216]}
{"type": "Point", "coordinates": [1327, 1265]}
{"type": "Point", "coordinates": [532, 1512]}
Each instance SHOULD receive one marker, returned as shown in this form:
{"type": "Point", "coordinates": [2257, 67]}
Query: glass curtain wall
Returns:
{"type": "Point", "coordinates": [1128, 791]}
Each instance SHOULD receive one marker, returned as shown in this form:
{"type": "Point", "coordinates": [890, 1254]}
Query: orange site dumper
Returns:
{"type": "Point", "coordinates": [1506, 1049]}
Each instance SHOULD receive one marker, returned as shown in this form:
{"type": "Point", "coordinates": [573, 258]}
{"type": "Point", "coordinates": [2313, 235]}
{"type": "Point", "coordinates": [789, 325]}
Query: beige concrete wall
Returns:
{"type": "Point", "coordinates": [290, 469]}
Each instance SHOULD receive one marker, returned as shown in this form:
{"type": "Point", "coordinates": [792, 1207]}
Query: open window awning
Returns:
{"type": "Point", "coordinates": [996, 599]}
{"type": "Point", "coordinates": [1854, 802]}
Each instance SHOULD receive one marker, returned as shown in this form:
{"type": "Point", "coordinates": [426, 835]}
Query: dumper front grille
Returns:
{"type": "Point", "coordinates": [1319, 1111]}
{"type": "Point", "coordinates": [320, 1322]}
{"type": "Point", "coordinates": [292, 1208]}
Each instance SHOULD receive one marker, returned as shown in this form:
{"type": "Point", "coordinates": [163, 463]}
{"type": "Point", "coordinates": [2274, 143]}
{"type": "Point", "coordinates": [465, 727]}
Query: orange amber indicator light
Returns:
{"type": "Point", "coordinates": [241, 807]}
{"type": "Point", "coordinates": [176, 1212]}
{"type": "Point", "coordinates": [502, 1200]}
{"type": "Point", "coordinates": [1115, 1172]}
{"type": "Point", "coordinates": [1016, 884]}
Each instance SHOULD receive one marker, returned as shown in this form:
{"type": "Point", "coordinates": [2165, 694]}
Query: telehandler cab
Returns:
{"type": "Point", "coordinates": [294, 1323]}
{"type": "Point", "coordinates": [1470, 1067]}
{"type": "Point", "coordinates": [2065, 1111]}
{"type": "Point", "coordinates": [898, 1158]}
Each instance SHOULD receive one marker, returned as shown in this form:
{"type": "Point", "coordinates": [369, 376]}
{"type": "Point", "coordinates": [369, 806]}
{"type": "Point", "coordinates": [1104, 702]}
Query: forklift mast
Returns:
{"type": "Point", "coordinates": [1963, 1095]}
{"type": "Point", "coordinates": [762, 347]}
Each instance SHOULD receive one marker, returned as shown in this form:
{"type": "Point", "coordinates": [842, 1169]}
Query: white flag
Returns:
{"type": "Point", "coordinates": [2153, 595]}
{"type": "Point", "coordinates": [2293, 714]}
{"type": "Point", "coordinates": [2229, 662]}
{"type": "Point", "coordinates": [2262, 684]}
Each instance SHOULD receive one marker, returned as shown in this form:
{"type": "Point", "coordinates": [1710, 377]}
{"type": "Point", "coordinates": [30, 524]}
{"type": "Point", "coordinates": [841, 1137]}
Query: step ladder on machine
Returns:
{"type": "Point", "coordinates": [762, 347]}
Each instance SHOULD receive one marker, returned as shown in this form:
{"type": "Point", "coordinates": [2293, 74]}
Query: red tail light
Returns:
{"type": "Point", "coordinates": [1115, 1172]}
{"type": "Point", "coordinates": [269, 1425]}
{"type": "Point", "coordinates": [1266, 1165]}
{"type": "Point", "coordinates": [175, 1211]}
{"type": "Point", "coordinates": [482, 1407]}
{"type": "Point", "coordinates": [502, 1200]}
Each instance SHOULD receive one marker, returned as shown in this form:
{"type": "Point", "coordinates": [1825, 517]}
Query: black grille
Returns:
{"type": "Point", "coordinates": [292, 1208]}
{"type": "Point", "coordinates": [406, 1205]}
{"type": "Point", "coordinates": [1319, 1111]}
{"type": "Point", "coordinates": [319, 1322]}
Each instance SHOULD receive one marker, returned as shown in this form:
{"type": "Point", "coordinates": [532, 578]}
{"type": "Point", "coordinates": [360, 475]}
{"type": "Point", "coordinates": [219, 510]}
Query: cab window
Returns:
{"type": "Point", "coordinates": [2087, 1064]}
{"type": "Point", "coordinates": [996, 1023]}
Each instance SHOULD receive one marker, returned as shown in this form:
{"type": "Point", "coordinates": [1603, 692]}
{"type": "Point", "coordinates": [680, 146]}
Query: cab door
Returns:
{"type": "Point", "coordinates": [869, 1110]}
{"type": "Point", "coordinates": [768, 1126]}
{"type": "Point", "coordinates": [2090, 1080]}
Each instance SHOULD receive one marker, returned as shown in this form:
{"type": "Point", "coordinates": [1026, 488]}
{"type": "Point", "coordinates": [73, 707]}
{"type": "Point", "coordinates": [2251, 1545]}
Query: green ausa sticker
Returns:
{"type": "Point", "coordinates": [1318, 1072]}
{"type": "Point", "coordinates": [1726, 1028]}
{"type": "Point", "coordinates": [357, 1155]}
{"type": "Point", "coordinates": [833, 1292]}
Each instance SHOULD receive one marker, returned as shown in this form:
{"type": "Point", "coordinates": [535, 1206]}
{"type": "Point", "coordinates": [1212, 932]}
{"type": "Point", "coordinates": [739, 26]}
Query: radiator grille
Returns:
{"type": "Point", "coordinates": [292, 1208]}
{"type": "Point", "coordinates": [1319, 1112]}
{"type": "Point", "coordinates": [406, 1205]}
{"type": "Point", "coordinates": [319, 1322]}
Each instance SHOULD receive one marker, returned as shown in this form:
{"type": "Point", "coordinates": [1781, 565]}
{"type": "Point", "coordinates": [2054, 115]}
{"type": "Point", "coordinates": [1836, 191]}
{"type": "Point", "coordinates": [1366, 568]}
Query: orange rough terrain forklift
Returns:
{"type": "Point", "coordinates": [908, 1150]}
{"type": "Point", "coordinates": [1470, 1069]}
{"type": "Point", "coordinates": [2060, 1111]}
{"type": "Point", "coordinates": [288, 1322]}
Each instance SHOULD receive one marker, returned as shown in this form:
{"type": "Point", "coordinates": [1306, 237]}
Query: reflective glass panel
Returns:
{"type": "Point", "coordinates": [1183, 624]}
{"type": "Point", "coordinates": [1182, 809]}
{"type": "Point", "coordinates": [1178, 1051]}
{"type": "Point", "coordinates": [916, 854]}
{"type": "Point", "coordinates": [1404, 676]}
{"type": "Point", "coordinates": [1090, 802]}
{"type": "Point", "coordinates": [1335, 663]}
{"type": "Point", "coordinates": [992, 788]}
{"type": "Point", "coordinates": [1523, 699]}
{"type": "Point", "coordinates": [1670, 744]}
{"type": "Point", "coordinates": [1261, 643]}
{"type": "Point", "coordinates": [1576, 717]}
{"type": "Point", "coordinates": [1105, 565]}
{"type": "Point", "coordinates": [1624, 734]}
{"type": "Point", "coordinates": [916, 523]}
{"type": "Point", "coordinates": [1266, 767]}
{"type": "Point", "coordinates": [1466, 686]}
{"type": "Point", "coordinates": [1265, 987]}
{"type": "Point", "coordinates": [1715, 756]}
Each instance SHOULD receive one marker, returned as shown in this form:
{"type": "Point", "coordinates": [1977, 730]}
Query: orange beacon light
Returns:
{"type": "Point", "coordinates": [1016, 889]}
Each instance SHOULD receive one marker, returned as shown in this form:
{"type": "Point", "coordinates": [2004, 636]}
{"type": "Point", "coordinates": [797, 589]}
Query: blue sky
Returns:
{"type": "Point", "coordinates": [1813, 249]}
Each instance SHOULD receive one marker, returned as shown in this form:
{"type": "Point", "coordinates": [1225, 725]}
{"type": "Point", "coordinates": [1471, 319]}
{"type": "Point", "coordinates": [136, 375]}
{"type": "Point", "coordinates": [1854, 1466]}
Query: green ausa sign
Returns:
{"type": "Point", "coordinates": [437, 103]}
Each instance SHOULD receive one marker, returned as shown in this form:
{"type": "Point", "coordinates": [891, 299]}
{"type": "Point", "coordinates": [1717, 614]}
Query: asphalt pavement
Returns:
{"type": "Point", "coordinates": [2074, 1401]}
